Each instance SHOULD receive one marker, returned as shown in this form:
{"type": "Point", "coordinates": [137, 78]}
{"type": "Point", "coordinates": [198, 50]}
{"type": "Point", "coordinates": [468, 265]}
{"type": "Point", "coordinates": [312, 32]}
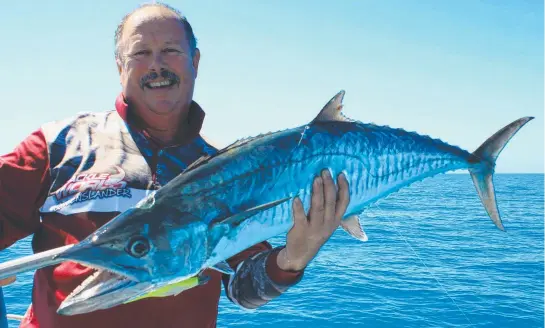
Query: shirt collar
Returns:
{"type": "Point", "coordinates": [195, 120]}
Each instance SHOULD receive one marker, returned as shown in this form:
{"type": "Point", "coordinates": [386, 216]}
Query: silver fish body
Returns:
{"type": "Point", "coordinates": [228, 202]}
{"type": "Point", "coordinates": [376, 161]}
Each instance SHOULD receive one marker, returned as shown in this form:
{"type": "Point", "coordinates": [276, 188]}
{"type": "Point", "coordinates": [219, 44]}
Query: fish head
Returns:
{"type": "Point", "coordinates": [137, 252]}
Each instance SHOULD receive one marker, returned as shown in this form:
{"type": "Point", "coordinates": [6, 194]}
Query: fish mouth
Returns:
{"type": "Point", "coordinates": [102, 290]}
{"type": "Point", "coordinates": [101, 257]}
{"type": "Point", "coordinates": [105, 289]}
{"type": "Point", "coordinates": [118, 278]}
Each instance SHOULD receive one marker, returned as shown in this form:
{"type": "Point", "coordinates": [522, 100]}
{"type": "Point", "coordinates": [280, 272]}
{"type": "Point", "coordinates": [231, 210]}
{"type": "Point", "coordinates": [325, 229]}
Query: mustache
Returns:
{"type": "Point", "coordinates": [166, 74]}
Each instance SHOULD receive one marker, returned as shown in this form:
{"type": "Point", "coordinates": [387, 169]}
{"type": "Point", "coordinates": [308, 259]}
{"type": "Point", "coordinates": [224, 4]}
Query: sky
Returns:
{"type": "Point", "coordinates": [456, 70]}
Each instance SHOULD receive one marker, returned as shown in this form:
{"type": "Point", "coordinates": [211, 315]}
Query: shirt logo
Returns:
{"type": "Point", "coordinates": [89, 186]}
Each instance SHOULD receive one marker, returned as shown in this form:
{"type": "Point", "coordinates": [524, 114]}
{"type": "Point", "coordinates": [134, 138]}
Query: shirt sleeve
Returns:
{"type": "Point", "coordinates": [258, 279]}
{"type": "Point", "coordinates": [24, 183]}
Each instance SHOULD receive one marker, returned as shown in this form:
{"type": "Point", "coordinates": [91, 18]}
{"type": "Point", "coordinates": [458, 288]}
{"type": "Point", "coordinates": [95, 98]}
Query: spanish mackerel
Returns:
{"type": "Point", "coordinates": [243, 195]}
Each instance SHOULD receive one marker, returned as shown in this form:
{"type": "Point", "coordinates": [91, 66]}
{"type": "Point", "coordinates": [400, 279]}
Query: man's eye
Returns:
{"type": "Point", "coordinates": [141, 53]}
{"type": "Point", "coordinates": [171, 50]}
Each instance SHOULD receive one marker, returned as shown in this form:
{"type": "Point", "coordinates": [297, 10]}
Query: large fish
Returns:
{"type": "Point", "coordinates": [225, 203]}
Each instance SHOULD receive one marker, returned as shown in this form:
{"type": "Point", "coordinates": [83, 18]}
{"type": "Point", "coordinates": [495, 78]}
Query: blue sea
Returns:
{"type": "Point", "coordinates": [433, 259]}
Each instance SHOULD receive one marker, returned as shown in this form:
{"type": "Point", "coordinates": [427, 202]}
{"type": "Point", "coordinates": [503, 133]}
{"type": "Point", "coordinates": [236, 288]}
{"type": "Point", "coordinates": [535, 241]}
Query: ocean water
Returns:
{"type": "Point", "coordinates": [433, 259]}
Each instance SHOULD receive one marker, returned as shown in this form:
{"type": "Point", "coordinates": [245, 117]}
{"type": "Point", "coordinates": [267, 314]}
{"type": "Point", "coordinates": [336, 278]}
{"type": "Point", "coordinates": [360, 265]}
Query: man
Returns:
{"type": "Point", "coordinates": [78, 173]}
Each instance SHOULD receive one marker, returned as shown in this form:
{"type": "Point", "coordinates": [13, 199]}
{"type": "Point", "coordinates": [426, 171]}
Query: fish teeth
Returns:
{"type": "Point", "coordinates": [85, 283]}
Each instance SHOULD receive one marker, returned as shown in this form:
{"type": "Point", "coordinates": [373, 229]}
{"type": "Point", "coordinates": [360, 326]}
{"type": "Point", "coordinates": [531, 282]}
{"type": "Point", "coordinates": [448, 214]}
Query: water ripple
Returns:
{"type": "Point", "coordinates": [433, 259]}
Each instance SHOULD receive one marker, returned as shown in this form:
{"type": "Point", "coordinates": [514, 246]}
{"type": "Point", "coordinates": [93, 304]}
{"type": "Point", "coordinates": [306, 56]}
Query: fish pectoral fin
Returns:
{"type": "Point", "coordinates": [223, 267]}
{"type": "Point", "coordinates": [220, 227]}
{"type": "Point", "coordinates": [353, 227]}
{"type": "Point", "coordinates": [241, 216]}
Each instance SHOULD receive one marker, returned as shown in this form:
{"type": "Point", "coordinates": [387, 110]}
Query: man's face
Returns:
{"type": "Point", "coordinates": [157, 69]}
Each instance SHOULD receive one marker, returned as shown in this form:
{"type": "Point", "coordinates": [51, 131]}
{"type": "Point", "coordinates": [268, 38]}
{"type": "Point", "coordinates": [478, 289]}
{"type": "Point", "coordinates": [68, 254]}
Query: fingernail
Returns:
{"type": "Point", "coordinates": [318, 181]}
{"type": "Point", "coordinates": [326, 174]}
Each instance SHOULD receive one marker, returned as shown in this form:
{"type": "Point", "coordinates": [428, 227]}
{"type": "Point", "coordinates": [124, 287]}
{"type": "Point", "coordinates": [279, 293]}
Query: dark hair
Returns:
{"type": "Point", "coordinates": [183, 20]}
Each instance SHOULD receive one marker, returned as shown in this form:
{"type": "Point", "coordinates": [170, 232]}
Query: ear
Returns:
{"type": "Point", "coordinates": [196, 59]}
{"type": "Point", "coordinates": [119, 66]}
{"type": "Point", "coordinates": [120, 70]}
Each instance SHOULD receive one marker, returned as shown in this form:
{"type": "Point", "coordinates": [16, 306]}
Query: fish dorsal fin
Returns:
{"type": "Point", "coordinates": [353, 227]}
{"type": "Point", "coordinates": [332, 111]}
{"type": "Point", "coordinates": [234, 145]}
{"type": "Point", "coordinates": [205, 158]}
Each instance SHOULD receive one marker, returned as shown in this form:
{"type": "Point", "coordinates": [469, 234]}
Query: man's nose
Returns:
{"type": "Point", "coordinates": [157, 62]}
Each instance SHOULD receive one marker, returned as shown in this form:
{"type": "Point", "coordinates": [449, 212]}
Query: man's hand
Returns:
{"type": "Point", "coordinates": [307, 235]}
{"type": "Point", "coordinates": [7, 281]}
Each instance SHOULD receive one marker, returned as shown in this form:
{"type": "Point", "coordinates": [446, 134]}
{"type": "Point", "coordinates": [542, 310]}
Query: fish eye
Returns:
{"type": "Point", "coordinates": [138, 246]}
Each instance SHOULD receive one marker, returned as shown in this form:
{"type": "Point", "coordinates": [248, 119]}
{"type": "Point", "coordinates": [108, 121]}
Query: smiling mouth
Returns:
{"type": "Point", "coordinates": [160, 84]}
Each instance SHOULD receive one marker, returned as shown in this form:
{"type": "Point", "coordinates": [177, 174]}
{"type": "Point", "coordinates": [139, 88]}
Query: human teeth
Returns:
{"type": "Point", "coordinates": [159, 84]}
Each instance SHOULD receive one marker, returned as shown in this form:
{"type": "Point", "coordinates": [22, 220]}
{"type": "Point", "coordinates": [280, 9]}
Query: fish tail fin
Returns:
{"type": "Point", "coordinates": [483, 162]}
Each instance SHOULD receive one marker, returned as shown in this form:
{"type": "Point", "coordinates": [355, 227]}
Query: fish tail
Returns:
{"type": "Point", "coordinates": [483, 162]}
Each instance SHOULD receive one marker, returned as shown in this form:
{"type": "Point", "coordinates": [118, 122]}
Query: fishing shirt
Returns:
{"type": "Point", "coordinates": [71, 176]}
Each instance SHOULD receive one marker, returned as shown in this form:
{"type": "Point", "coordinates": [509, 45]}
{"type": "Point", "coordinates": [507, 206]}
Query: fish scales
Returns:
{"type": "Point", "coordinates": [274, 166]}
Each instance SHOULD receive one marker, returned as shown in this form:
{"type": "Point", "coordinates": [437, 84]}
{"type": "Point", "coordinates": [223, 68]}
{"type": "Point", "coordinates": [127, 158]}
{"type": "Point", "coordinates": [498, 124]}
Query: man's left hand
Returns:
{"type": "Point", "coordinates": [308, 234]}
